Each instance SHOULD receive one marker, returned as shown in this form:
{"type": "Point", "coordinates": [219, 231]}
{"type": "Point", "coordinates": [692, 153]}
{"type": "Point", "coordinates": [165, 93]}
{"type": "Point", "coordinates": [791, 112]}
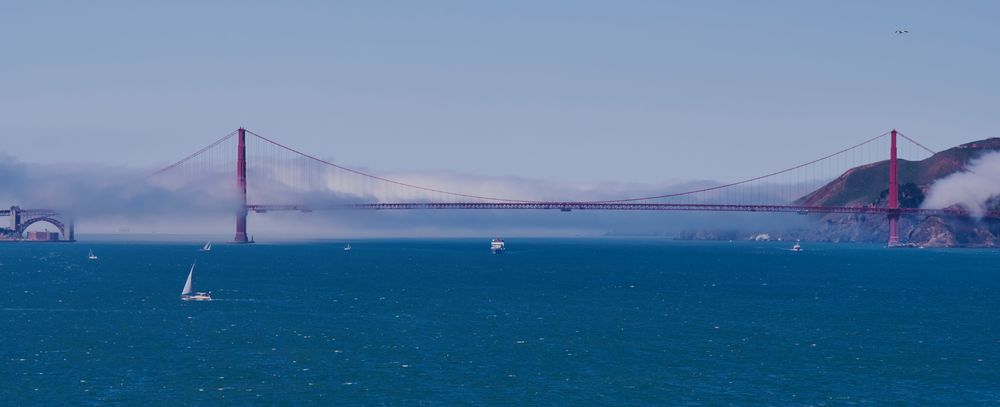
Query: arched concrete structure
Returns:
{"type": "Point", "coordinates": [21, 219]}
{"type": "Point", "coordinates": [55, 222]}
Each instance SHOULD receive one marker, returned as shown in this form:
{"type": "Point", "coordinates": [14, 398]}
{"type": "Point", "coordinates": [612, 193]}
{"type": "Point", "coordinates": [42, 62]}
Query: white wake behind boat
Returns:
{"type": "Point", "coordinates": [91, 255]}
{"type": "Point", "coordinates": [207, 247]}
{"type": "Point", "coordinates": [188, 293]}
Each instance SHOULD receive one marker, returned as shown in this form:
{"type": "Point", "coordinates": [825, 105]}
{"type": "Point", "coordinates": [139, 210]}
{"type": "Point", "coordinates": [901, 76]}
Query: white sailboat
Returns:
{"type": "Point", "coordinates": [188, 294]}
{"type": "Point", "coordinates": [91, 255]}
{"type": "Point", "coordinates": [207, 248]}
{"type": "Point", "coordinates": [347, 248]}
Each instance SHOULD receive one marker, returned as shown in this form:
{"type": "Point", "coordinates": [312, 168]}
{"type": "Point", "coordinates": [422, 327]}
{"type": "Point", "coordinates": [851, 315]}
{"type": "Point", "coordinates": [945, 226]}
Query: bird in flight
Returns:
{"type": "Point", "coordinates": [902, 31]}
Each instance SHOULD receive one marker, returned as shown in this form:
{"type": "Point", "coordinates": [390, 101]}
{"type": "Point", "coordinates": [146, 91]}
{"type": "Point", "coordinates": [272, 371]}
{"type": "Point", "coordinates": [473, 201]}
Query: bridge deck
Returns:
{"type": "Point", "coordinates": [30, 212]}
{"type": "Point", "coordinates": [614, 206]}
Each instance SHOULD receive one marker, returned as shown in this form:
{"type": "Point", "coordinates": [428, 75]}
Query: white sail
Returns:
{"type": "Point", "coordinates": [187, 285]}
{"type": "Point", "coordinates": [208, 246]}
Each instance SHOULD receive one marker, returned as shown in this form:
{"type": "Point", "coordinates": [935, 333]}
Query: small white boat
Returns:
{"type": "Point", "coordinates": [188, 293]}
{"type": "Point", "coordinates": [497, 246]}
{"type": "Point", "coordinates": [796, 247]}
{"type": "Point", "coordinates": [207, 247]}
{"type": "Point", "coordinates": [91, 255]}
{"type": "Point", "coordinates": [347, 248]}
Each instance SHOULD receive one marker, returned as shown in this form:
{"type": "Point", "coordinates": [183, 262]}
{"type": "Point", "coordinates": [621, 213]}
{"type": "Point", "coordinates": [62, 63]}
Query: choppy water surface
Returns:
{"type": "Point", "coordinates": [597, 321]}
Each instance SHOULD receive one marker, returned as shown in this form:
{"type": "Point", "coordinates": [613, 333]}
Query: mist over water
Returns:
{"type": "Point", "coordinates": [109, 199]}
{"type": "Point", "coordinates": [99, 191]}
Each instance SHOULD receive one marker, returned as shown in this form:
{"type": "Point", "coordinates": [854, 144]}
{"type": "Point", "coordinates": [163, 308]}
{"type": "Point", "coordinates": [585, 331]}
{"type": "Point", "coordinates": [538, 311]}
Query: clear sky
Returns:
{"type": "Point", "coordinates": [557, 90]}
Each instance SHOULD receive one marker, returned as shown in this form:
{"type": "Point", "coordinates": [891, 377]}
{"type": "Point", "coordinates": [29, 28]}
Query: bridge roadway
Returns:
{"type": "Point", "coordinates": [585, 206]}
{"type": "Point", "coordinates": [623, 206]}
{"type": "Point", "coordinates": [31, 213]}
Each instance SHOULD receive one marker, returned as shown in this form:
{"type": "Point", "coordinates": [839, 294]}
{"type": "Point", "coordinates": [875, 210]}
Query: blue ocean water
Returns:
{"type": "Point", "coordinates": [572, 321]}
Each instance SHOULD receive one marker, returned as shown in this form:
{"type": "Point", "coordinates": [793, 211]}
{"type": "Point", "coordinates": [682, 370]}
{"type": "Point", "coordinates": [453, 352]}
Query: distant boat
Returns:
{"type": "Point", "coordinates": [207, 248]}
{"type": "Point", "coordinates": [497, 246]}
{"type": "Point", "coordinates": [347, 248]}
{"type": "Point", "coordinates": [796, 247]}
{"type": "Point", "coordinates": [91, 255]}
{"type": "Point", "coordinates": [188, 294]}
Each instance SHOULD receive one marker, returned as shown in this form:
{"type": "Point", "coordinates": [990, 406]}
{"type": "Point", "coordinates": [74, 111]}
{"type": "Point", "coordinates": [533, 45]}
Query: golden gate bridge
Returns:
{"type": "Point", "coordinates": [262, 175]}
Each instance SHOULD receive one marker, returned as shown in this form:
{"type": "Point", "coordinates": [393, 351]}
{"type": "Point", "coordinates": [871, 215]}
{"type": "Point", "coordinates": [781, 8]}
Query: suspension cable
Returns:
{"type": "Point", "coordinates": [748, 180]}
{"type": "Point", "coordinates": [918, 144]}
{"type": "Point", "coordinates": [193, 155]}
{"type": "Point", "coordinates": [490, 198]}
{"type": "Point", "coordinates": [372, 176]}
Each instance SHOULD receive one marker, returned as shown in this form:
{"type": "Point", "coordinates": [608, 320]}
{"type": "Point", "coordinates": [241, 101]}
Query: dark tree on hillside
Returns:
{"type": "Point", "coordinates": [910, 196]}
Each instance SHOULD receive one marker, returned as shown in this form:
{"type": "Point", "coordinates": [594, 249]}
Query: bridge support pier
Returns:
{"type": "Point", "coordinates": [893, 193]}
{"type": "Point", "coordinates": [241, 185]}
{"type": "Point", "coordinates": [241, 226]}
{"type": "Point", "coordinates": [15, 217]}
{"type": "Point", "coordinates": [893, 230]}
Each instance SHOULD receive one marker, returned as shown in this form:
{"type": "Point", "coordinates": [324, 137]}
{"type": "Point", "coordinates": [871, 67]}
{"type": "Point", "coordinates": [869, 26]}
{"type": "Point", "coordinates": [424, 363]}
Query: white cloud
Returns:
{"type": "Point", "coordinates": [971, 189]}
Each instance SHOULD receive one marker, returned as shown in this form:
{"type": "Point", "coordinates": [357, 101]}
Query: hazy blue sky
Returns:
{"type": "Point", "coordinates": [559, 90]}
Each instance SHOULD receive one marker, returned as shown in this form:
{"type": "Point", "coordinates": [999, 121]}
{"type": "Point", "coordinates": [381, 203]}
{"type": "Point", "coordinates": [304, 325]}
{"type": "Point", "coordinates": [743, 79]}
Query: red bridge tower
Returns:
{"type": "Point", "coordinates": [893, 194]}
{"type": "Point", "coordinates": [241, 185]}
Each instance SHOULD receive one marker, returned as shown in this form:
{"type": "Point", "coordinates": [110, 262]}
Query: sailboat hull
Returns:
{"type": "Point", "coordinates": [196, 297]}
